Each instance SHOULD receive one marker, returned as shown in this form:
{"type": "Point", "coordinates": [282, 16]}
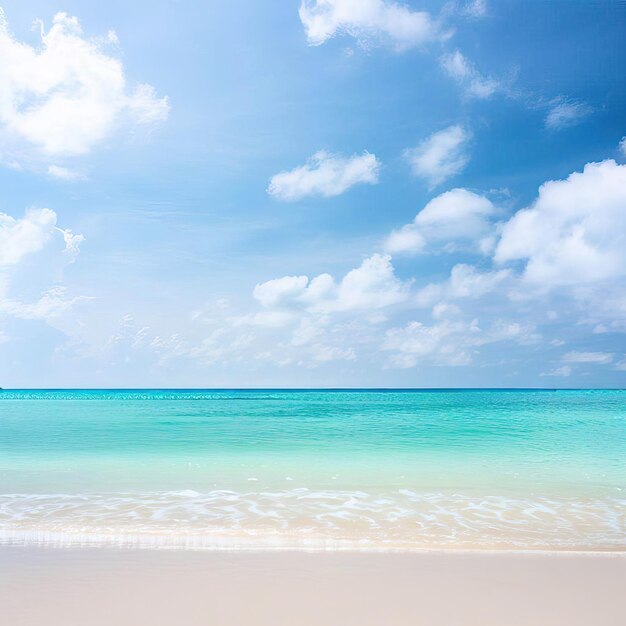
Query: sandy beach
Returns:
{"type": "Point", "coordinates": [312, 313]}
{"type": "Point", "coordinates": [47, 586]}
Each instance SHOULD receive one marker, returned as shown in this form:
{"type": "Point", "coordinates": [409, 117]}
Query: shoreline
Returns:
{"type": "Point", "coordinates": [156, 546]}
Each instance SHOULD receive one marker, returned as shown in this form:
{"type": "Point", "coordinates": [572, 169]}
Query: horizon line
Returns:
{"type": "Point", "coordinates": [312, 389]}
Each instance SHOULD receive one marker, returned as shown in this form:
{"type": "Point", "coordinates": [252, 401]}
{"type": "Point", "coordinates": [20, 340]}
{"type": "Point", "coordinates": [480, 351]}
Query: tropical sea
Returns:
{"type": "Point", "coordinates": [314, 470]}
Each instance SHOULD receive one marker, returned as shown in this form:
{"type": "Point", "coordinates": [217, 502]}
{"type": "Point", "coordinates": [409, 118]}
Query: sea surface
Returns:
{"type": "Point", "coordinates": [319, 470]}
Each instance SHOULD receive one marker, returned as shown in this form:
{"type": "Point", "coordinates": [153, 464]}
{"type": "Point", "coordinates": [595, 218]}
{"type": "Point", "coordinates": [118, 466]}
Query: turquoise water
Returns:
{"type": "Point", "coordinates": [371, 469]}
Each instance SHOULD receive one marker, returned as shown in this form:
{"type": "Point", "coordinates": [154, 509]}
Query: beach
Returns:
{"type": "Point", "coordinates": [312, 313]}
{"type": "Point", "coordinates": [61, 587]}
{"type": "Point", "coordinates": [314, 470]}
{"type": "Point", "coordinates": [259, 507]}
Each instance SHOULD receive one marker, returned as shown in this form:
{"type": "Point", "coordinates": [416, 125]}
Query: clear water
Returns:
{"type": "Point", "coordinates": [315, 469]}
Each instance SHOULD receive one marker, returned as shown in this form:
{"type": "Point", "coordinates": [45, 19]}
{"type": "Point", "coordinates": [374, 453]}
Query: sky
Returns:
{"type": "Point", "coordinates": [327, 193]}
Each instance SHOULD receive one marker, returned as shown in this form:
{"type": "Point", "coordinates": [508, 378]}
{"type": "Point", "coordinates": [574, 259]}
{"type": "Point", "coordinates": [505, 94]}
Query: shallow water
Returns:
{"type": "Point", "coordinates": [320, 469]}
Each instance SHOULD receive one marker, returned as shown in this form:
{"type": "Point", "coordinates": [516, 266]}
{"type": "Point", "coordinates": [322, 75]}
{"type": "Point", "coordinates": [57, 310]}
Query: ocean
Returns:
{"type": "Point", "coordinates": [314, 470]}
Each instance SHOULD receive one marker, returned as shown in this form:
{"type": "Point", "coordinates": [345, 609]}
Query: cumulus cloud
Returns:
{"type": "Point", "coordinates": [72, 243]}
{"type": "Point", "coordinates": [23, 236]}
{"type": "Point", "coordinates": [566, 113]}
{"type": "Point", "coordinates": [325, 174]}
{"type": "Point", "coordinates": [447, 342]}
{"type": "Point", "coordinates": [599, 358]}
{"type": "Point", "coordinates": [33, 252]}
{"type": "Point", "coordinates": [465, 282]}
{"type": "Point", "coordinates": [372, 285]}
{"type": "Point", "coordinates": [20, 237]}
{"type": "Point", "coordinates": [64, 173]}
{"type": "Point", "coordinates": [405, 240]}
{"type": "Point", "coordinates": [574, 232]}
{"type": "Point", "coordinates": [367, 21]}
{"type": "Point", "coordinates": [456, 215]}
{"type": "Point", "coordinates": [332, 314]}
{"type": "Point", "coordinates": [278, 290]}
{"type": "Point", "coordinates": [440, 156]}
{"type": "Point", "coordinates": [475, 85]}
{"type": "Point", "coordinates": [52, 303]}
{"type": "Point", "coordinates": [304, 321]}
{"type": "Point", "coordinates": [299, 321]}
{"type": "Point", "coordinates": [229, 345]}
{"type": "Point", "coordinates": [68, 95]}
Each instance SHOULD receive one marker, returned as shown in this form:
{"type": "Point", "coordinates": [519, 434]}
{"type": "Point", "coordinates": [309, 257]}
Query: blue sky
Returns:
{"type": "Point", "coordinates": [332, 193]}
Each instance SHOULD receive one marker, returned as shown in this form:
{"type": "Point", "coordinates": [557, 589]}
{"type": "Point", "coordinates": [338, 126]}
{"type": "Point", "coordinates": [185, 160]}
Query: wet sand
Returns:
{"type": "Point", "coordinates": [86, 586]}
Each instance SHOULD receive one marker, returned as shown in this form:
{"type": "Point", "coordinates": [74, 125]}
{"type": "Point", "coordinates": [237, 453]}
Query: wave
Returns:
{"type": "Point", "coordinates": [310, 519]}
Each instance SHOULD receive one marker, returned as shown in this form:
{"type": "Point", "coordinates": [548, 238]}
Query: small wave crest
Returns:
{"type": "Point", "coordinates": [309, 519]}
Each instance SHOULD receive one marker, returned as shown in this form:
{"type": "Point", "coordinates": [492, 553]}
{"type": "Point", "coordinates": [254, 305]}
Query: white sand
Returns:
{"type": "Point", "coordinates": [45, 586]}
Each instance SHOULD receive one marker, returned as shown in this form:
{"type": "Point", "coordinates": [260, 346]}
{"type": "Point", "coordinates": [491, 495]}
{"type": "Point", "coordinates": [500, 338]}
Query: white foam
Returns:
{"type": "Point", "coordinates": [303, 518]}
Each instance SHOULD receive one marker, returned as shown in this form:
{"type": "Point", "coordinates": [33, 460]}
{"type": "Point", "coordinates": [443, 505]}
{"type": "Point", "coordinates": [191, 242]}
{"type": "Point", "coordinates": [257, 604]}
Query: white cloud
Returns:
{"type": "Point", "coordinates": [310, 329]}
{"type": "Point", "coordinates": [405, 240]}
{"type": "Point", "coordinates": [278, 290]}
{"type": "Point", "coordinates": [234, 340]}
{"type": "Point", "coordinates": [445, 310]}
{"type": "Point", "coordinates": [372, 285]}
{"type": "Point", "coordinates": [574, 232]}
{"type": "Point", "coordinates": [566, 113]}
{"type": "Point", "coordinates": [448, 342]}
{"type": "Point", "coordinates": [325, 174]}
{"type": "Point", "coordinates": [440, 156]}
{"type": "Point", "coordinates": [445, 343]}
{"type": "Point", "coordinates": [564, 371]}
{"type": "Point", "coordinates": [368, 20]}
{"type": "Point", "coordinates": [455, 215]}
{"type": "Point", "coordinates": [475, 8]}
{"type": "Point", "coordinates": [622, 146]}
{"type": "Point", "coordinates": [332, 353]}
{"type": "Point", "coordinates": [53, 303]}
{"type": "Point", "coordinates": [300, 321]}
{"type": "Point", "coordinates": [267, 319]}
{"type": "Point", "coordinates": [33, 253]}
{"type": "Point", "coordinates": [69, 95]}
{"type": "Point", "coordinates": [64, 173]}
{"type": "Point", "coordinates": [465, 74]}
{"type": "Point", "coordinates": [72, 243]}
{"type": "Point", "coordinates": [20, 237]}
{"type": "Point", "coordinates": [465, 282]}
{"type": "Point", "coordinates": [599, 358]}
{"type": "Point", "coordinates": [29, 234]}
